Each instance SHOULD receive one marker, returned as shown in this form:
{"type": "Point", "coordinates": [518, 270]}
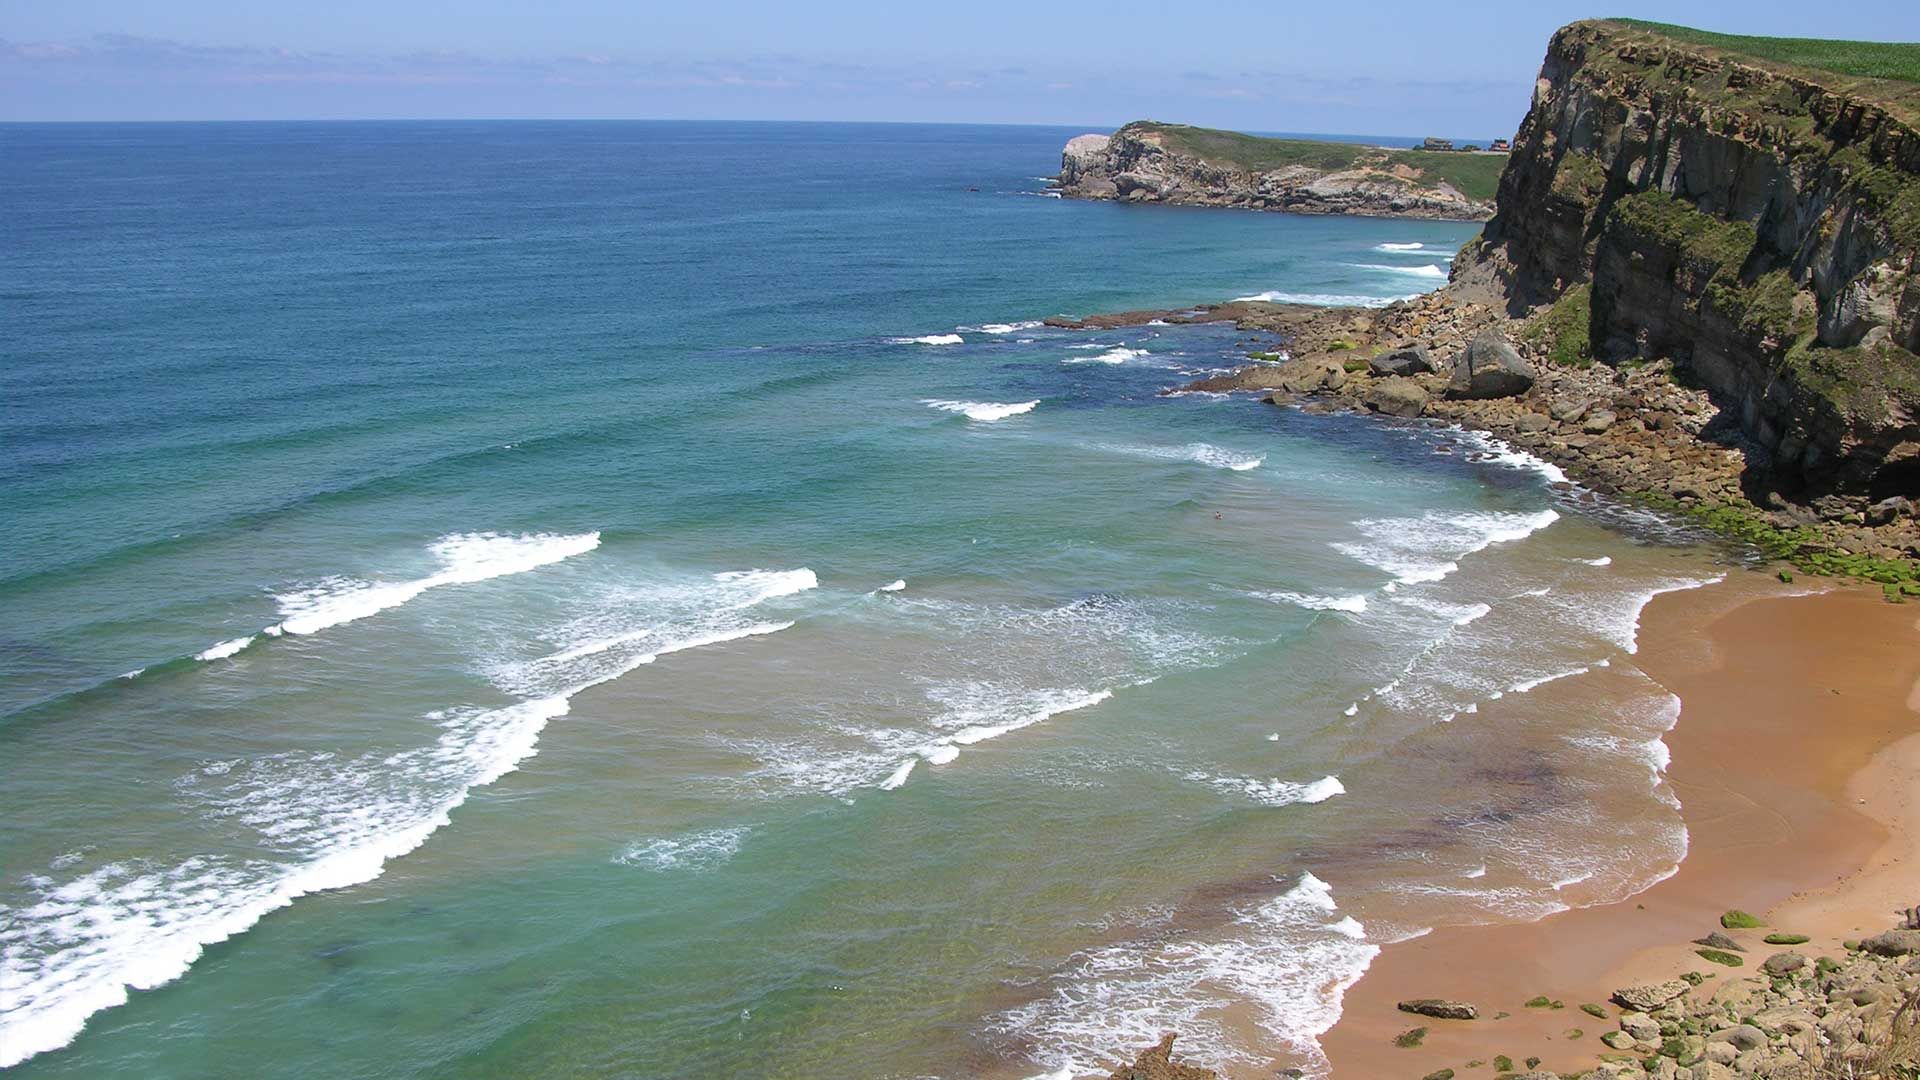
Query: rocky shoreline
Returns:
{"type": "Point", "coordinates": [1642, 431]}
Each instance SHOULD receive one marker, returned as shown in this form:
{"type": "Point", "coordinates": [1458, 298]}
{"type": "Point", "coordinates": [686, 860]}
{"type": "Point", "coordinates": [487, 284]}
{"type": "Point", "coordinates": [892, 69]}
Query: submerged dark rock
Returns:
{"type": "Point", "coordinates": [1156, 1063]}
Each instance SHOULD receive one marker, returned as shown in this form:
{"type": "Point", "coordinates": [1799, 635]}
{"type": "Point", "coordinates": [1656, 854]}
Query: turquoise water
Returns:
{"type": "Point", "coordinates": [515, 599]}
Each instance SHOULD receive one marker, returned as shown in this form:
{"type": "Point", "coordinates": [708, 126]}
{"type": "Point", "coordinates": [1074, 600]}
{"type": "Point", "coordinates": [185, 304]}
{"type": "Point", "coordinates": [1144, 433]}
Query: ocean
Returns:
{"type": "Point", "coordinates": [652, 600]}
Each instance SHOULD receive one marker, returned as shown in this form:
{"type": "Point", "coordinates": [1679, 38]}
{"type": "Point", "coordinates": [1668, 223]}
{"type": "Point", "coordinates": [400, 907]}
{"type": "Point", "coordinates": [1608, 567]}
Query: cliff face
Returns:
{"type": "Point", "coordinates": [1149, 162]}
{"type": "Point", "coordinates": [1755, 222]}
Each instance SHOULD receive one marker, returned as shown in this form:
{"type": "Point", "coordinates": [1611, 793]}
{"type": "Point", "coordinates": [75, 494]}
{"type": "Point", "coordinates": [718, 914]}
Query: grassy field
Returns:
{"type": "Point", "coordinates": [1476, 176]}
{"type": "Point", "coordinates": [1899, 61]}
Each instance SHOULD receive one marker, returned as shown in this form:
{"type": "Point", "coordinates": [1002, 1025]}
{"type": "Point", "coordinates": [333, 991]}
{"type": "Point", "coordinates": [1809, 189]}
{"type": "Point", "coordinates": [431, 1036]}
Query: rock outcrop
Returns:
{"type": "Point", "coordinates": [1166, 163]}
{"type": "Point", "coordinates": [1490, 367]}
{"type": "Point", "coordinates": [1755, 223]}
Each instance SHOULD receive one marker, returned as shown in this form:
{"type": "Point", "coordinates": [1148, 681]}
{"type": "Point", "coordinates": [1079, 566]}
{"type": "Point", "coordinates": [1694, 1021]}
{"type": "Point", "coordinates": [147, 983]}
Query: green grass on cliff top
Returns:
{"type": "Point", "coordinates": [1899, 61]}
{"type": "Point", "coordinates": [1477, 176]}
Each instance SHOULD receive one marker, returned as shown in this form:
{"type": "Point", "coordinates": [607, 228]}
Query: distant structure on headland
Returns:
{"type": "Point", "coordinates": [1501, 144]}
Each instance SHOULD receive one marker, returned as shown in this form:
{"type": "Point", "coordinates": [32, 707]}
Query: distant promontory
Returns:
{"type": "Point", "coordinates": [1148, 161]}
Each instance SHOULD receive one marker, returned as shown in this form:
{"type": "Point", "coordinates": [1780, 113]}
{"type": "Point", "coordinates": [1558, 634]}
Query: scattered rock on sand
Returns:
{"type": "Point", "coordinates": [1718, 940]}
{"type": "Point", "coordinates": [1440, 1009]}
{"type": "Point", "coordinates": [1783, 963]}
{"type": "Point", "coordinates": [1648, 998]}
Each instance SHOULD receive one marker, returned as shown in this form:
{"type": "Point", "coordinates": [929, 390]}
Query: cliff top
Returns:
{"type": "Point", "coordinates": [1884, 72]}
{"type": "Point", "coordinates": [1477, 176]}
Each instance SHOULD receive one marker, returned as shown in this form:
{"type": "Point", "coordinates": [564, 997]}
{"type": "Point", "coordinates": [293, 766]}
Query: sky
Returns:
{"type": "Point", "coordinates": [1378, 67]}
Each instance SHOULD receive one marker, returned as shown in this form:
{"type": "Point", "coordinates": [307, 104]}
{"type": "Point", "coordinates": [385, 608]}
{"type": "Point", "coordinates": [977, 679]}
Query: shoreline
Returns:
{"type": "Point", "coordinates": [1794, 759]}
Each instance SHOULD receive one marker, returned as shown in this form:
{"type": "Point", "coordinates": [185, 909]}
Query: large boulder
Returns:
{"type": "Point", "coordinates": [1412, 360]}
{"type": "Point", "coordinates": [1489, 367]}
{"type": "Point", "coordinates": [1397, 397]}
{"type": "Point", "coordinates": [1309, 376]}
{"type": "Point", "coordinates": [1440, 1009]}
{"type": "Point", "coordinates": [1893, 943]}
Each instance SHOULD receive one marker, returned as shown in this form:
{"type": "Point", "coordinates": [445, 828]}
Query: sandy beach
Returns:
{"type": "Point", "coordinates": [1795, 757]}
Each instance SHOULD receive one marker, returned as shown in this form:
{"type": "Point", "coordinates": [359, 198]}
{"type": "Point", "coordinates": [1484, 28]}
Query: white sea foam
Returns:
{"type": "Point", "coordinates": [899, 775]}
{"type": "Point", "coordinates": [321, 821]}
{"type": "Point", "coordinates": [224, 649]}
{"type": "Point", "coordinates": [1488, 448]}
{"type": "Point", "coordinates": [1007, 328]}
{"type": "Point", "coordinates": [1117, 355]}
{"type": "Point", "coordinates": [1398, 247]}
{"type": "Point", "coordinates": [1435, 272]}
{"type": "Point", "coordinates": [1198, 453]}
{"type": "Point", "coordinates": [1528, 685]}
{"type": "Point", "coordinates": [701, 850]}
{"type": "Point", "coordinates": [1426, 548]}
{"type": "Point", "coordinates": [985, 411]}
{"type": "Point", "coordinates": [1621, 625]}
{"type": "Point", "coordinates": [1275, 792]}
{"type": "Point", "coordinates": [1604, 560]}
{"type": "Point", "coordinates": [1326, 299]}
{"type": "Point", "coordinates": [1291, 958]}
{"type": "Point", "coordinates": [123, 927]}
{"type": "Point", "coordinates": [895, 585]}
{"type": "Point", "coordinates": [465, 558]}
{"type": "Point", "coordinates": [1354, 604]}
{"type": "Point", "coordinates": [928, 339]}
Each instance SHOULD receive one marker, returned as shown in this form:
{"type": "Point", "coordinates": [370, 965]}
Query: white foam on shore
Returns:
{"type": "Point", "coordinates": [1622, 627]}
{"type": "Point", "coordinates": [1291, 957]}
{"type": "Point", "coordinates": [1488, 448]}
{"type": "Point", "coordinates": [1354, 604]}
{"type": "Point", "coordinates": [1325, 299]}
{"type": "Point", "coordinates": [1604, 560]}
{"type": "Point", "coordinates": [983, 411]}
{"type": "Point", "coordinates": [701, 850]}
{"type": "Point", "coordinates": [928, 339]}
{"type": "Point", "coordinates": [1436, 272]}
{"type": "Point", "coordinates": [1117, 355]}
{"type": "Point", "coordinates": [1425, 549]}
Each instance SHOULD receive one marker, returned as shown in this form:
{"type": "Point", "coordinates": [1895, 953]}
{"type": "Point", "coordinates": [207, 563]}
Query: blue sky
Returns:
{"type": "Point", "coordinates": [1381, 67]}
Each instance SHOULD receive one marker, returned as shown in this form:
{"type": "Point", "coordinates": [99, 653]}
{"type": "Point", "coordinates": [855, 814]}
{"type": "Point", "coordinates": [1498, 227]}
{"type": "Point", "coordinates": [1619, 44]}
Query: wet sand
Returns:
{"type": "Point", "coordinates": [1796, 759]}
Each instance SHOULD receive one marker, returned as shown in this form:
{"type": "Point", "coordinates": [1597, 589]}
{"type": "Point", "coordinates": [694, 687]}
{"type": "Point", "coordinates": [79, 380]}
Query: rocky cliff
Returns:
{"type": "Point", "coordinates": [1684, 196]}
{"type": "Point", "coordinates": [1169, 163]}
